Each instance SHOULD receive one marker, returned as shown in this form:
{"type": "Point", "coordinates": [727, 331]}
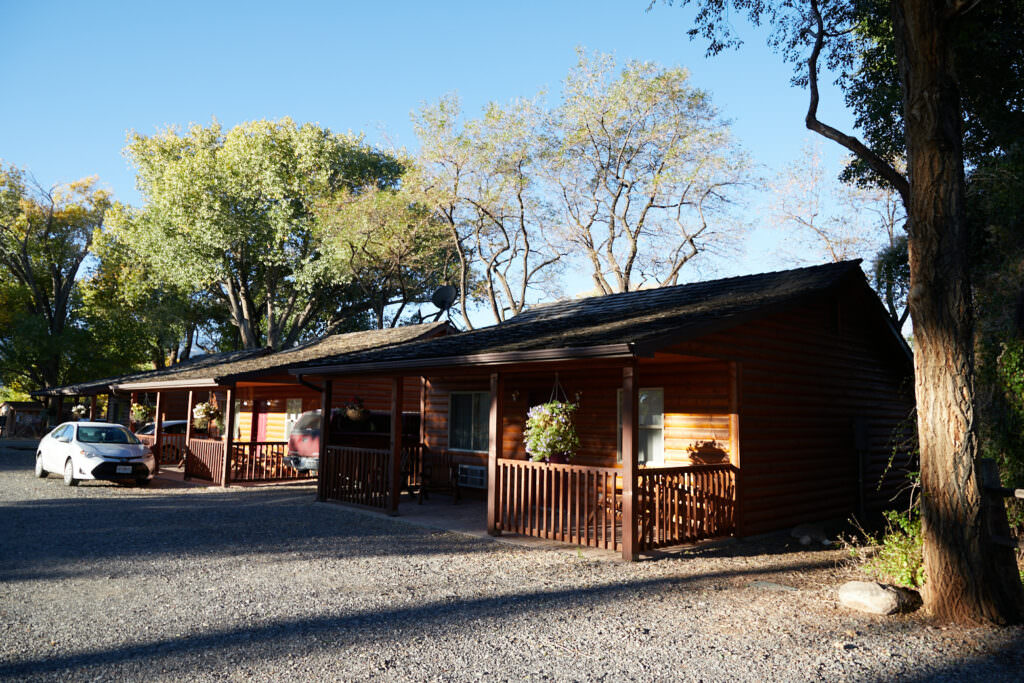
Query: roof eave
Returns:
{"type": "Point", "coordinates": [200, 383]}
{"type": "Point", "coordinates": [473, 360]}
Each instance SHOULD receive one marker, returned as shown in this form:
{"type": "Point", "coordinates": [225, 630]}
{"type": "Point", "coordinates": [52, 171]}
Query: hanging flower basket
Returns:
{"type": "Point", "coordinates": [79, 411]}
{"type": "Point", "coordinates": [355, 410]}
{"type": "Point", "coordinates": [204, 413]}
{"type": "Point", "coordinates": [142, 413]}
{"type": "Point", "coordinates": [550, 434]}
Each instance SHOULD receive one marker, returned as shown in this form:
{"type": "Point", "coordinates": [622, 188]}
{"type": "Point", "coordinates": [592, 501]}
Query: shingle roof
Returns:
{"type": "Point", "coordinates": [196, 365]}
{"type": "Point", "coordinates": [224, 368]}
{"type": "Point", "coordinates": [640, 320]}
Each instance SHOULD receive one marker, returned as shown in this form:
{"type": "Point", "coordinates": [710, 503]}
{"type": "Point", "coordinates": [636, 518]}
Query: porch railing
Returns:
{"type": "Point", "coordinates": [569, 503]}
{"type": "Point", "coordinates": [685, 504]}
{"type": "Point", "coordinates": [262, 461]}
{"type": "Point", "coordinates": [205, 459]}
{"type": "Point", "coordinates": [356, 475]}
{"type": "Point", "coordinates": [172, 447]}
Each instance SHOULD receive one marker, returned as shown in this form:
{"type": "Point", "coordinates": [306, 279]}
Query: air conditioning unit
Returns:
{"type": "Point", "coordinates": [473, 476]}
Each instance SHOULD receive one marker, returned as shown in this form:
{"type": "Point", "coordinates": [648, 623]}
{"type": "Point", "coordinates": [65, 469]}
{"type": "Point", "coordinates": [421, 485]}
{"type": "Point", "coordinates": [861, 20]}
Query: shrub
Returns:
{"type": "Point", "coordinates": [898, 557]}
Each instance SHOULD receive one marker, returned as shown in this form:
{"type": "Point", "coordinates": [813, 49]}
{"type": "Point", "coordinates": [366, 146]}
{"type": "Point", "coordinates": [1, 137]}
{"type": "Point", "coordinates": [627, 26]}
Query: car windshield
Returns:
{"type": "Point", "coordinates": [148, 429]}
{"type": "Point", "coordinates": [105, 435]}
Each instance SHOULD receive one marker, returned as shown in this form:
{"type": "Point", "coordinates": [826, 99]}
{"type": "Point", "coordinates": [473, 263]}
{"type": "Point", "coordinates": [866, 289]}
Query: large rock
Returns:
{"type": "Point", "coordinates": [875, 598]}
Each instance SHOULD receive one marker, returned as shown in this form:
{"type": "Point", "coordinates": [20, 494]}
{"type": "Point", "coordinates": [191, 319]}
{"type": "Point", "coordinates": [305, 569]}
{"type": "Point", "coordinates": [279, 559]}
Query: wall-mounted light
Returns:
{"type": "Point", "coordinates": [515, 396]}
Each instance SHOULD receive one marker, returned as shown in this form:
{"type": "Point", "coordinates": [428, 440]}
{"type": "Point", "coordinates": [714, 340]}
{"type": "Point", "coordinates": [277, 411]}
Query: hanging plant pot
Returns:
{"type": "Point", "coordinates": [355, 411]}
{"type": "Point", "coordinates": [357, 414]}
{"type": "Point", "coordinates": [550, 435]}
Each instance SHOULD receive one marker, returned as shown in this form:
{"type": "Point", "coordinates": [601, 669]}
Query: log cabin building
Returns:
{"type": "Point", "coordinates": [729, 407]}
{"type": "Point", "coordinates": [258, 401]}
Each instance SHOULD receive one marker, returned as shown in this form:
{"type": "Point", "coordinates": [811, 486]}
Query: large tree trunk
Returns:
{"type": "Point", "coordinates": [969, 579]}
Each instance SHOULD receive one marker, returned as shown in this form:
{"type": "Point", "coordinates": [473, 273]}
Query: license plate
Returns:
{"type": "Point", "coordinates": [124, 469]}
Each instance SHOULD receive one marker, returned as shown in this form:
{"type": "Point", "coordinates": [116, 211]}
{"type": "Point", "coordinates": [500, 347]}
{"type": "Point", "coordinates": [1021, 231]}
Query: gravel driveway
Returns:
{"type": "Point", "coordinates": [103, 582]}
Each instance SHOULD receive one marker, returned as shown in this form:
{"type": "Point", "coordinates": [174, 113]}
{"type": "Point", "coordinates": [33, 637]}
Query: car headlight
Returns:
{"type": "Point", "coordinates": [90, 454]}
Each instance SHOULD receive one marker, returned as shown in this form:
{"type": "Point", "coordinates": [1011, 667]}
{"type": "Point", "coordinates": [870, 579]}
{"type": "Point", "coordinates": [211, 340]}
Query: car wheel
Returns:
{"type": "Point", "coordinates": [69, 474]}
{"type": "Point", "coordinates": [40, 472]}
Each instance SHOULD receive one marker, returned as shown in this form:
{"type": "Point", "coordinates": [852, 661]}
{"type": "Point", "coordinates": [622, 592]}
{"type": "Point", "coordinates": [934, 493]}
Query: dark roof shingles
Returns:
{"type": "Point", "coordinates": [626, 318]}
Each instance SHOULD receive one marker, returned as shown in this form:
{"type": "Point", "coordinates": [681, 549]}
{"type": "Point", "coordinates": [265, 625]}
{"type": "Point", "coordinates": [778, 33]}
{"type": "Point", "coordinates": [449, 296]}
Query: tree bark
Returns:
{"type": "Point", "coordinates": [969, 579]}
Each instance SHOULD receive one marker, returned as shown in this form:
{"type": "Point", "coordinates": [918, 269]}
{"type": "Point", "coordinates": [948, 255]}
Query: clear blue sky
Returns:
{"type": "Point", "coordinates": [78, 76]}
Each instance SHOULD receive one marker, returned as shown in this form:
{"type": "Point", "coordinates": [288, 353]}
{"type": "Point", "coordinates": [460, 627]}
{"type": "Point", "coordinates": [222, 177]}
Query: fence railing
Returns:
{"type": "Point", "coordinates": [356, 475]}
{"type": "Point", "coordinates": [262, 461]}
{"type": "Point", "coordinates": [685, 504]}
{"type": "Point", "coordinates": [172, 448]}
{"type": "Point", "coordinates": [205, 459]}
{"type": "Point", "coordinates": [569, 503]}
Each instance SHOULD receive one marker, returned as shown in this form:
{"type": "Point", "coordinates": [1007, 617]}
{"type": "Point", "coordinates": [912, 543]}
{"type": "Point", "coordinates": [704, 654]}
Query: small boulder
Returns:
{"type": "Point", "coordinates": [876, 598]}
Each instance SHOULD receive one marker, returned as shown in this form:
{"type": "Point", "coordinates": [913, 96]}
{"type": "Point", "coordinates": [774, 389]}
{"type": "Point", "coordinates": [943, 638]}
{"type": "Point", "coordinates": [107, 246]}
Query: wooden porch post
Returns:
{"type": "Point", "coordinates": [734, 439]}
{"type": "Point", "coordinates": [92, 408]}
{"type": "Point", "coordinates": [395, 477]}
{"type": "Point", "coordinates": [326, 399]}
{"type": "Point", "coordinates": [60, 408]}
{"type": "Point", "coordinates": [158, 425]}
{"type": "Point", "coordinates": [188, 428]}
{"type": "Point", "coordinates": [630, 435]}
{"type": "Point", "coordinates": [229, 432]}
{"type": "Point", "coordinates": [494, 443]}
{"type": "Point", "coordinates": [254, 419]}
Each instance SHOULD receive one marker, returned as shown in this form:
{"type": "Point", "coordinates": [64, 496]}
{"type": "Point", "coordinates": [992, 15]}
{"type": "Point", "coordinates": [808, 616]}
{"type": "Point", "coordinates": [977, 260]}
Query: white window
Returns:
{"type": "Point", "coordinates": [469, 413]}
{"type": "Point", "coordinates": [651, 423]}
{"type": "Point", "coordinates": [293, 409]}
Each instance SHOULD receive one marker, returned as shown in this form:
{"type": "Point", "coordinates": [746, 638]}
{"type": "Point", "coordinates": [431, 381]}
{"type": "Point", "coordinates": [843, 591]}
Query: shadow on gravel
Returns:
{"type": "Point", "coordinates": [12, 460]}
{"type": "Point", "coordinates": [73, 535]}
{"type": "Point", "coordinates": [993, 666]}
{"type": "Point", "coordinates": [286, 638]}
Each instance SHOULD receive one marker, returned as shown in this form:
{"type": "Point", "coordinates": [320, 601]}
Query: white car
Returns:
{"type": "Point", "coordinates": [94, 450]}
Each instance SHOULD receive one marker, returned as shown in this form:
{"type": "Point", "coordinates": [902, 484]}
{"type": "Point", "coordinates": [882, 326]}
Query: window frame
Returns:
{"type": "Point", "coordinates": [290, 418]}
{"type": "Point", "coordinates": [451, 422]}
{"type": "Point", "coordinates": [657, 461]}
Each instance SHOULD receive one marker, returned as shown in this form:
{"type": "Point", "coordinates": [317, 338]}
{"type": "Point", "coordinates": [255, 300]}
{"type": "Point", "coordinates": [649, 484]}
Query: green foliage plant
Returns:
{"type": "Point", "coordinates": [900, 552]}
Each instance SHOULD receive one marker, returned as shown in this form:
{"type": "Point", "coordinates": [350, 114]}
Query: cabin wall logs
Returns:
{"type": "Point", "coordinates": [822, 404]}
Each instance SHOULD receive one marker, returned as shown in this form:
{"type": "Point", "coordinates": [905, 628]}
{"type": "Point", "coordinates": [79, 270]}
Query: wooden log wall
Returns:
{"type": "Point", "coordinates": [810, 379]}
{"type": "Point", "coordinates": [436, 391]}
{"type": "Point", "coordinates": [696, 395]}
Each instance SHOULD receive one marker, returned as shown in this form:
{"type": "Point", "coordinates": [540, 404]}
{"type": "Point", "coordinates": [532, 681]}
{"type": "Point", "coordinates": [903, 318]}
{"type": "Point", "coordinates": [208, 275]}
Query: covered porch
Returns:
{"type": "Point", "coordinates": [658, 463]}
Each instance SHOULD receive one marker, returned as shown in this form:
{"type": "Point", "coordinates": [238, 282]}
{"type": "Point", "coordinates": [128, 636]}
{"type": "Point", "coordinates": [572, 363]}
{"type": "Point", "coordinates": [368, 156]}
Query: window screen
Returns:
{"type": "Point", "coordinates": [468, 418]}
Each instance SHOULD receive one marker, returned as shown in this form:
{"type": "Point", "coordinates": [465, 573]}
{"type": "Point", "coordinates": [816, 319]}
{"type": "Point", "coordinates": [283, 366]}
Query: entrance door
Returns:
{"type": "Point", "coordinates": [261, 421]}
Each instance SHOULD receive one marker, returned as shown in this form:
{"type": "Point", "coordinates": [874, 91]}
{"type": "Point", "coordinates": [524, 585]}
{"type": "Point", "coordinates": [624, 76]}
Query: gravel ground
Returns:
{"type": "Point", "coordinates": [103, 582]}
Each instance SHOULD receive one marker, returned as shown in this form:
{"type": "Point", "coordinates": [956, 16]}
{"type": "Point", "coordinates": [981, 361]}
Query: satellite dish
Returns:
{"type": "Point", "coordinates": [444, 297]}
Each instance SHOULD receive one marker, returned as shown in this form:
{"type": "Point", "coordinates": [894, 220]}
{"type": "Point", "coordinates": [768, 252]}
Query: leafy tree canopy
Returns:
{"type": "Point", "coordinates": [233, 213]}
